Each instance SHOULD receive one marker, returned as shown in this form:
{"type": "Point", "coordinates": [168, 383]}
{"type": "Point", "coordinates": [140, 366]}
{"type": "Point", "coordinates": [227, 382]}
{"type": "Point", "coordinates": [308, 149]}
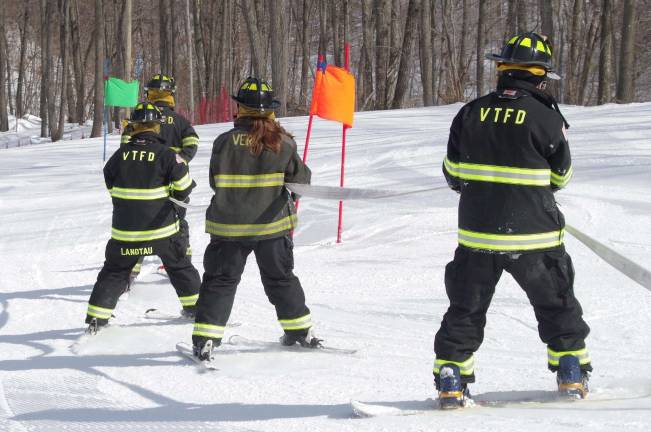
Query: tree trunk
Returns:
{"type": "Point", "coordinates": [591, 42]}
{"type": "Point", "coordinates": [199, 53]}
{"type": "Point", "coordinates": [99, 71]}
{"type": "Point", "coordinates": [337, 52]}
{"type": "Point", "coordinates": [382, 43]}
{"type": "Point", "coordinates": [20, 105]}
{"type": "Point", "coordinates": [64, 14]}
{"type": "Point", "coordinates": [367, 55]}
{"type": "Point", "coordinates": [255, 41]}
{"type": "Point", "coordinates": [4, 51]}
{"type": "Point", "coordinates": [45, 72]}
{"type": "Point", "coordinates": [571, 74]}
{"type": "Point", "coordinates": [279, 52]}
{"type": "Point", "coordinates": [323, 28]}
{"type": "Point", "coordinates": [605, 73]}
{"type": "Point", "coordinates": [426, 53]}
{"type": "Point", "coordinates": [481, 46]}
{"type": "Point", "coordinates": [546, 19]}
{"type": "Point", "coordinates": [411, 29]}
{"type": "Point", "coordinates": [625, 81]}
{"type": "Point", "coordinates": [305, 52]}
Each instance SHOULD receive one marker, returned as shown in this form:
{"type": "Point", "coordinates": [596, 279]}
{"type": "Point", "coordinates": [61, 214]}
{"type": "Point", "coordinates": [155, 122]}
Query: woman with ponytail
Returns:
{"type": "Point", "coordinates": [252, 211]}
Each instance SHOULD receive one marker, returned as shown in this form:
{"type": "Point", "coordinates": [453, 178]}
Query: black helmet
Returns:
{"type": "Point", "coordinates": [146, 112]}
{"type": "Point", "coordinates": [256, 94]}
{"type": "Point", "coordinates": [162, 82]}
{"type": "Point", "coordinates": [527, 49]}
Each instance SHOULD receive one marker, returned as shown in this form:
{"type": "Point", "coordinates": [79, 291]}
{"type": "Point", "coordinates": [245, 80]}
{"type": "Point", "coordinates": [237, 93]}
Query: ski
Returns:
{"type": "Point", "coordinates": [158, 314]}
{"type": "Point", "coordinates": [238, 340]}
{"type": "Point", "coordinates": [186, 350]}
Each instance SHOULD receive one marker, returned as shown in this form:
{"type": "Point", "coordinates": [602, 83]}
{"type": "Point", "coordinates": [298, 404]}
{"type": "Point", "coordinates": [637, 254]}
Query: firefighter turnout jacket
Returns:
{"type": "Point", "coordinates": [140, 176]}
{"type": "Point", "coordinates": [507, 153]}
{"type": "Point", "coordinates": [176, 131]}
{"type": "Point", "coordinates": [250, 200]}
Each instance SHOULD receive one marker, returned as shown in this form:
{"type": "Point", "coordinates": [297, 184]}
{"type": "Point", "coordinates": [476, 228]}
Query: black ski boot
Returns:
{"type": "Point", "coordinates": [204, 351]}
{"type": "Point", "coordinates": [572, 381]}
{"type": "Point", "coordinates": [452, 393]}
{"type": "Point", "coordinates": [95, 325]}
{"type": "Point", "coordinates": [308, 340]}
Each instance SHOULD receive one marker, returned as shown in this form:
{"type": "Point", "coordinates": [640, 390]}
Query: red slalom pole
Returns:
{"type": "Point", "coordinates": [343, 152]}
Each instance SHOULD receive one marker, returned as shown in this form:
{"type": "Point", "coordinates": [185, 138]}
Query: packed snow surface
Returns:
{"type": "Point", "coordinates": [380, 291]}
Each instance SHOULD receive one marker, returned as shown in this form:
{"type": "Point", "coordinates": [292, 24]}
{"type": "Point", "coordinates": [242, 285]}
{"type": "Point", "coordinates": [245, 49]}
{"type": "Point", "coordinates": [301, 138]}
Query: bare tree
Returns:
{"type": "Point", "coordinates": [426, 53]}
{"type": "Point", "coordinates": [605, 73]}
{"type": "Point", "coordinates": [625, 79]}
{"type": "Point", "coordinates": [4, 120]}
{"type": "Point", "coordinates": [45, 65]}
{"type": "Point", "coordinates": [382, 44]}
{"type": "Point", "coordinates": [411, 28]}
{"type": "Point", "coordinates": [99, 71]}
{"type": "Point", "coordinates": [279, 52]}
{"type": "Point", "coordinates": [305, 50]}
{"type": "Point", "coordinates": [64, 12]}
{"type": "Point", "coordinates": [20, 105]}
{"type": "Point", "coordinates": [255, 41]}
{"type": "Point", "coordinates": [365, 87]}
{"type": "Point", "coordinates": [481, 46]}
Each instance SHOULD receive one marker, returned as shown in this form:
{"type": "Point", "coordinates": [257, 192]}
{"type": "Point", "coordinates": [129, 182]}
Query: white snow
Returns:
{"type": "Point", "coordinates": [380, 291]}
{"type": "Point", "coordinates": [27, 130]}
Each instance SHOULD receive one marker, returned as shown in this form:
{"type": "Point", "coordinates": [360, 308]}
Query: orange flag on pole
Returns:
{"type": "Point", "coordinates": [333, 97]}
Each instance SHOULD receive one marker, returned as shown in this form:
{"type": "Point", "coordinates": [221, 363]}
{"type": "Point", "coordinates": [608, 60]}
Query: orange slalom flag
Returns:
{"type": "Point", "coordinates": [333, 97]}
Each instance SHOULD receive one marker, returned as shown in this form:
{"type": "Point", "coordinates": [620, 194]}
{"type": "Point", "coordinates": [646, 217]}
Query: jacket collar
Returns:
{"type": "Point", "coordinates": [540, 95]}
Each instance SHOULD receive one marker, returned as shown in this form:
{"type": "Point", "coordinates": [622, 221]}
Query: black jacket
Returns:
{"type": "Point", "coordinates": [507, 153]}
{"type": "Point", "coordinates": [140, 176]}
{"type": "Point", "coordinates": [250, 201]}
{"type": "Point", "coordinates": [176, 131]}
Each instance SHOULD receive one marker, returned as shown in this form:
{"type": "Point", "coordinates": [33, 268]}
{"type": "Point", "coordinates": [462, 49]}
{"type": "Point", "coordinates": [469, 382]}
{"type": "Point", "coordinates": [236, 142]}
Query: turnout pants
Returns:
{"type": "Point", "coordinates": [546, 277]}
{"type": "Point", "coordinates": [224, 263]}
{"type": "Point", "coordinates": [122, 256]}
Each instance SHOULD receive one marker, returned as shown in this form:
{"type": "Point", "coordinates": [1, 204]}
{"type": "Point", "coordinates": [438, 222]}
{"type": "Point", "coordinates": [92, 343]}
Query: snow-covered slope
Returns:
{"type": "Point", "coordinates": [381, 291]}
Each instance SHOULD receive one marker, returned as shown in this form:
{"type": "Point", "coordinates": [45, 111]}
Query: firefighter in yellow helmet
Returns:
{"type": "Point", "coordinates": [507, 155]}
{"type": "Point", "coordinates": [176, 131]}
{"type": "Point", "coordinates": [140, 176]}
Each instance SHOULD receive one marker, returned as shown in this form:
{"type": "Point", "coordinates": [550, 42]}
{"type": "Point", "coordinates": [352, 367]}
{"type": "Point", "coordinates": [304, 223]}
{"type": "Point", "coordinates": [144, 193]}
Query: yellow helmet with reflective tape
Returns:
{"type": "Point", "coordinates": [146, 112]}
{"type": "Point", "coordinates": [256, 94]}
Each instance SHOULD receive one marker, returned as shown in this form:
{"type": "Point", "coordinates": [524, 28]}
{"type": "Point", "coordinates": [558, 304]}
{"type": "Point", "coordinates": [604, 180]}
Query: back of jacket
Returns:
{"type": "Point", "coordinates": [507, 153]}
{"type": "Point", "coordinates": [250, 201]}
{"type": "Point", "coordinates": [140, 176]}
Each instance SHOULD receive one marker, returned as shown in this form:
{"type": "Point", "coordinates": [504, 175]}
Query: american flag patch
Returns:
{"type": "Point", "coordinates": [509, 92]}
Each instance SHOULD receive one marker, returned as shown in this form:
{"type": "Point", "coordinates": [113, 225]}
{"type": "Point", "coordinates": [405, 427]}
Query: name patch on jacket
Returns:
{"type": "Point", "coordinates": [241, 139]}
{"type": "Point", "coordinates": [502, 115]}
{"type": "Point", "coordinates": [139, 155]}
{"type": "Point", "coordinates": [136, 251]}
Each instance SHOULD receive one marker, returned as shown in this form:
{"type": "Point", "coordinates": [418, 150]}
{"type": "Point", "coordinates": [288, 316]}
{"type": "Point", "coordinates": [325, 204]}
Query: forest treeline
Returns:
{"type": "Point", "coordinates": [54, 54]}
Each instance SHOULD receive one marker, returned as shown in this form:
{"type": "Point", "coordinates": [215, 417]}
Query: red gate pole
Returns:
{"type": "Point", "coordinates": [343, 153]}
{"type": "Point", "coordinates": [309, 130]}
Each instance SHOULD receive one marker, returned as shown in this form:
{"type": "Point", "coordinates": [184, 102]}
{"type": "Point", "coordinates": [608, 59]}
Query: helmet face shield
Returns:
{"type": "Point", "coordinates": [256, 94]}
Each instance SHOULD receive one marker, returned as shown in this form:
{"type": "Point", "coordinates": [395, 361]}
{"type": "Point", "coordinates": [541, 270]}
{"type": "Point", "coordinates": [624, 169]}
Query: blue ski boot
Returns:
{"type": "Point", "coordinates": [452, 394]}
{"type": "Point", "coordinates": [572, 381]}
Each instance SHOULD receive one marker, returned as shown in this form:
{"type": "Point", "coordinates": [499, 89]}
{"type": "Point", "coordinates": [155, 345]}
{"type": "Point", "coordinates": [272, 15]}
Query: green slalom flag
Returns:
{"type": "Point", "coordinates": [120, 93]}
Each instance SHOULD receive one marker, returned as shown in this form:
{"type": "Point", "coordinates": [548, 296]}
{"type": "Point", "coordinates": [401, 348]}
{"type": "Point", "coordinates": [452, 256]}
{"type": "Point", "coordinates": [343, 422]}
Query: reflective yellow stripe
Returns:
{"type": "Point", "coordinates": [99, 312]}
{"type": "Point", "coordinates": [125, 139]}
{"type": "Point", "coordinates": [303, 322]}
{"type": "Point", "coordinates": [190, 141]}
{"type": "Point", "coordinates": [526, 42]}
{"type": "Point", "coordinates": [513, 39]}
{"type": "Point", "coordinates": [189, 300]}
{"type": "Point", "coordinates": [498, 174]}
{"type": "Point", "coordinates": [133, 236]}
{"type": "Point", "coordinates": [465, 367]}
{"type": "Point", "coordinates": [240, 230]}
{"type": "Point", "coordinates": [182, 184]}
{"type": "Point", "coordinates": [510, 242]}
{"type": "Point", "coordinates": [176, 149]}
{"type": "Point", "coordinates": [208, 330]}
{"type": "Point", "coordinates": [139, 194]}
{"type": "Point", "coordinates": [248, 181]}
{"type": "Point", "coordinates": [554, 356]}
{"type": "Point", "coordinates": [562, 180]}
